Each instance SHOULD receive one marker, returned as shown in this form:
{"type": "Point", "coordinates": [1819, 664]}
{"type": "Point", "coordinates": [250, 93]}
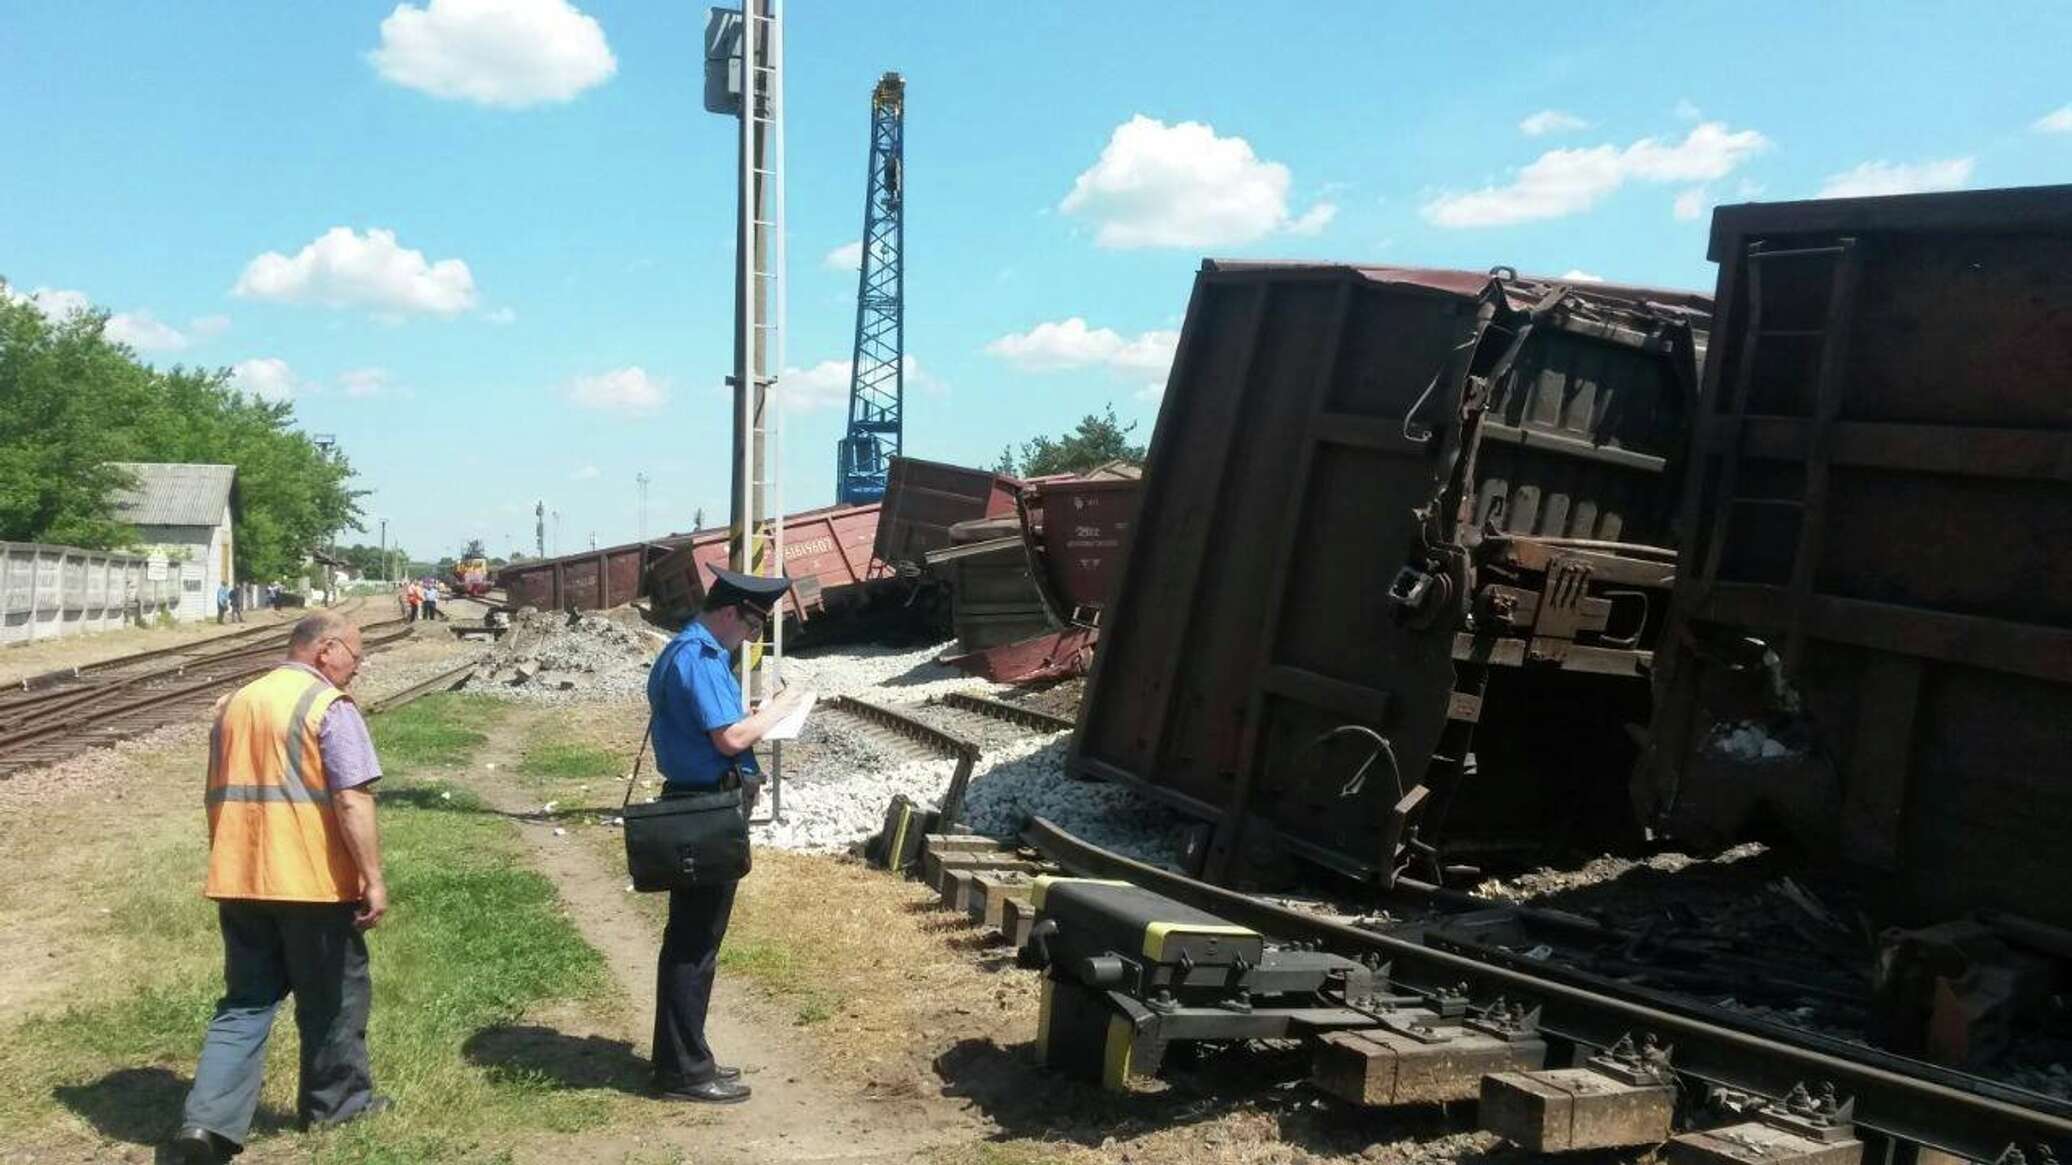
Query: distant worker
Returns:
{"type": "Point", "coordinates": [431, 599]}
{"type": "Point", "coordinates": [702, 742]}
{"type": "Point", "coordinates": [295, 869]}
{"type": "Point", "coordinates": [413, 596]}
{"type": "Point", "coordinates": [222, 602]}
{"type": "Point", "coordinates": [237, 604]}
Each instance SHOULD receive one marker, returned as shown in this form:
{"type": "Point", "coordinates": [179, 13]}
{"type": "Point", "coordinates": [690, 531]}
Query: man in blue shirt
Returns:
{"type": "Point", "coordinates": [703, 740]}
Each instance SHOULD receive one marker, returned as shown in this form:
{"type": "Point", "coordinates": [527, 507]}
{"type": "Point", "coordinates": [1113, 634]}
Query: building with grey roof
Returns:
{"type": "Point", "coordinates": [182, 514]}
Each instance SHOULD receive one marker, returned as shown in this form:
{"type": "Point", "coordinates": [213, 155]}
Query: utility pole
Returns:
{"type": "Point", "coordinates": [744, 78]}
{"type": "Point", "coordinates": [539, 529]}
{"type": "Point", "coordinates": [642, 480]}
{"type": "Point", "coordinates": [384, 551]}
{"type": "Point", "coordinates": [557, 533]}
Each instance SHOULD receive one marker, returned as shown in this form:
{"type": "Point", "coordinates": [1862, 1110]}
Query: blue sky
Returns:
{"type": "Point", "coordinates": [488, 245]}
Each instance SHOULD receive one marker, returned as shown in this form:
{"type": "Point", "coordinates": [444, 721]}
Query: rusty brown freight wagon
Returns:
{"type": "Point", "coordinates": [590, 581]}
{"type": "Point", "coordinates": [923, 499]}
{"type": "Point", "coordinates": [1872, 647]}
{"type": "Point", "coordinates": [826, 553]}
{"type": "Point", "coordinates": [1383, 505]}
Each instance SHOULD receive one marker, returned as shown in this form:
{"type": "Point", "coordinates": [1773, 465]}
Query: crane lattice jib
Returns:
{"type": "Point", "coordinates": [877, 379]}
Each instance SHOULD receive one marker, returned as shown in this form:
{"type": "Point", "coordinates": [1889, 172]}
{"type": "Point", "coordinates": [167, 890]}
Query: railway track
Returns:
{"type": "Point", "coordinates": [1719, 1057]}
{"type": "Point", "coordinates": [957, 728]}
{"type": "Point", "coordinates": [101, 704]}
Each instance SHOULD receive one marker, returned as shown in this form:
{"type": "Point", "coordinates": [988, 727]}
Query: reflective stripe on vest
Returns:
{"type": "Point", "coordinates": [273, 834]}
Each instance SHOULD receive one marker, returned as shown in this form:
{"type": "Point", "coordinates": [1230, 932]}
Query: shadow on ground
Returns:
{"type": "Point", "coordinates": [141, 1106]}
{"type": "Point", "coordinates": [530, 1052]}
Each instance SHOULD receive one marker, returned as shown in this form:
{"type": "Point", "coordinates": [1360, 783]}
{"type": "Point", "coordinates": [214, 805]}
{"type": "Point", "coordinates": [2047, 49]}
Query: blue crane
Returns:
{"type": "Point", "coordinates": [877, 376]}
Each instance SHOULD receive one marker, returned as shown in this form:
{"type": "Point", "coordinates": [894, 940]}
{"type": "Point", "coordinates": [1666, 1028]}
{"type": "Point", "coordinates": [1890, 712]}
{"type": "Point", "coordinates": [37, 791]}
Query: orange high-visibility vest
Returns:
{"type": "Point", "coordinates": [273, 834]}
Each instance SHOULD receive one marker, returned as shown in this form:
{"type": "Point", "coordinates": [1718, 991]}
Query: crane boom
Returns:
{"type": "Point", "coordinates": [877, 376]}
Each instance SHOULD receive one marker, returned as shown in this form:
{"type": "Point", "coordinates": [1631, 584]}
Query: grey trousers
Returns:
{"type": "Point", "coordinates": [272, 949]}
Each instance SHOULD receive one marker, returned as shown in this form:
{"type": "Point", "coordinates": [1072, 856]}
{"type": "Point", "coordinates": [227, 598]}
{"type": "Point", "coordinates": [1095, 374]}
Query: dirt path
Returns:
{"type": "Point", "coordinates": [799, 1112]}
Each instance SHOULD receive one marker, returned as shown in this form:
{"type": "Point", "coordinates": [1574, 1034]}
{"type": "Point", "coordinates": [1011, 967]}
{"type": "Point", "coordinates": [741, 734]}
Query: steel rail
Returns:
{"type": "Point", "coordinates": [953, 747]}
{"type": "Point", "coordinates": [47, 679]}
{"type": "Point", "coordinates": [1002, 710]}
{"type": "Point", "coordinates": [445, 681]}
{"type": "Point", "coordinates": [1902, 1105]}
{"type": "Point", "coordinates": [153, 699]}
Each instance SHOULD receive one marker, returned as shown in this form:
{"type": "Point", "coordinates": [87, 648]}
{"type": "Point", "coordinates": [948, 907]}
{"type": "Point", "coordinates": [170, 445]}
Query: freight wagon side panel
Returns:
{"type": "Point", "coordinates": [1886, 501]}
{"type": "Point", "coordinates": [1225, 530]}
{"type": "Point", "coordinates": [923, 499]}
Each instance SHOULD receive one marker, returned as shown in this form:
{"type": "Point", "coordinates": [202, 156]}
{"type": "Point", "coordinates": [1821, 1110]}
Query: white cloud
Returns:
{"type": "Point", "coordinates": [1881, 177]}
{"type": "Point", "coordinates": [500, 316]}
{"type": "Point", "coordinates": [622, 390]}
{"type": "Point", "coordinates": [343, 268]}
{"type": "Point", "coordinates": [1689, 203]}
{"type": "Point", "coordinates": [1159, 185]}
{"type": "Point", "coordinates": [1314, 220]}
{"type": "Point", "coordinates": [505, 53]}
{"type": "Point", "coordinates": [1548, 121]}
{"type": "Point", "coordinates": [139, 329]}
{"type": "Point", "coordinates": [207, 326]}
{"type": "Point", "coordinates": [1687, 110]}
{"type": "Point", "coordinates": [144, 332]}
{"type": "Point", "coordinates": [1564, 182]}
{"type": "Point", "coordinates": [826, 384]}
{"type": "Point", "coordinates": [1068, 344]}
{"type": "Point", "coordinates": [2056, 121]}
{"type": "Point", "coordinates": [1578, 275]}
{"type": "Point", "coordinates": [266, 377]}
{"type": "Point", "coordinates": [585, 473]}
{"type": "Point", "coordinates": [58, 303]}
{"type": "Point", "coordinates": [360, 383]}
{"type": "Point", "coordinates": [847, 257]}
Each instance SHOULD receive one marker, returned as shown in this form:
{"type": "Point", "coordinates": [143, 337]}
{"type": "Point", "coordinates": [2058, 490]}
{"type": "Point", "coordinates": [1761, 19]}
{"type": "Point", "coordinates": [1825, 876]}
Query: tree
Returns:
{"type": "Point", "coordinates": [1006, 462]}
{"type": "Point", "coordinates": [474, 549]}
{"type": "Point", "coordinates": [368, 559]}
{"type": "Point", "coordinates": [1096, 441]}
{"type": "Point", "coordinates": [71, 402]}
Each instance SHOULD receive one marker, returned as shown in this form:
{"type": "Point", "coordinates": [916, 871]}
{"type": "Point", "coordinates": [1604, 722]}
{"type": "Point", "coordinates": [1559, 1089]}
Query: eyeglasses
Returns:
{"type": "Point", "coordinates": [348, 650]}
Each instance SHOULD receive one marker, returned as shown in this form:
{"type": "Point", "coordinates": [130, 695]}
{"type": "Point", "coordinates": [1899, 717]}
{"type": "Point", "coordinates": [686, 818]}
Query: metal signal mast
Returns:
{"type": "Point", "coordinates": [877, 377]}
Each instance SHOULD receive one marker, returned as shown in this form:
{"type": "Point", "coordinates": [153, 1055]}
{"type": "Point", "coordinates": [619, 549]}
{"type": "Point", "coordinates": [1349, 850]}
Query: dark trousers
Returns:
{"type": "Point", "coordinates": [272, 949]}
{"type": "Point", "coordinates": [683, 982]}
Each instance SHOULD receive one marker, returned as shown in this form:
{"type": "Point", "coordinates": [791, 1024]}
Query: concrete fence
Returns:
{"type": "Point", "coordinates": [63, 590]}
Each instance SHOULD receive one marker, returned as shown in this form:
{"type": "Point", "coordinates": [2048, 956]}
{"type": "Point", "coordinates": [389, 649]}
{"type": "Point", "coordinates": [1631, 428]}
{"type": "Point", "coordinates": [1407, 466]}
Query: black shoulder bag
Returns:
{"type": "Point", "coordinates": [685, 840]}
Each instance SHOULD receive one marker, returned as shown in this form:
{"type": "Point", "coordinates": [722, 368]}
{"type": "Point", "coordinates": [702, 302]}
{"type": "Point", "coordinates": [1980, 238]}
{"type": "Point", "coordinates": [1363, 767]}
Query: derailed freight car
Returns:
{"type": "Point", "coordinates": [1384, 506]}
{"type": "Point", "coordinates": [1872, 645]}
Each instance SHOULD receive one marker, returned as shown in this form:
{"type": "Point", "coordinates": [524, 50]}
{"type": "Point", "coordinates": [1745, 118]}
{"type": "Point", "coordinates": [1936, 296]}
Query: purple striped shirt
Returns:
{"type": "Point", "coordinates": [342, 739]}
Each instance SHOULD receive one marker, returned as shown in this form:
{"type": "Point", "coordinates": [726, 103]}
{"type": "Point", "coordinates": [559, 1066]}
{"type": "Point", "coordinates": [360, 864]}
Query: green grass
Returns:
{"type": "Point", "coordinates": [474, 942]}
{"type": "Point", "coordinates": [779, 971]}
{"type": "Point", "coordinates": [560, 760]}
{"type": "Point", "coordinates": [439, 730]}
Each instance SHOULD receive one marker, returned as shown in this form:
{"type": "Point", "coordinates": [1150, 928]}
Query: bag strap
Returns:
{"type": "Point", "coordinates": [633, 777]}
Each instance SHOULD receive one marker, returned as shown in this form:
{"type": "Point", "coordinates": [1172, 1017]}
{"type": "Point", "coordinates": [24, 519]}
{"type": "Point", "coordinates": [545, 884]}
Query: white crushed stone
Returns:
{"type": "Point", "coordinates": [546, 659]}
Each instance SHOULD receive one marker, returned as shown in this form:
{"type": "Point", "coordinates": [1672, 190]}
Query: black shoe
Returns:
{"type": "Point", "coordinates": [194, 1145]}
{"type": "Point", "coordinates": [715, 1091]}
{"type": "Point", "coordinates": [724, 1073]}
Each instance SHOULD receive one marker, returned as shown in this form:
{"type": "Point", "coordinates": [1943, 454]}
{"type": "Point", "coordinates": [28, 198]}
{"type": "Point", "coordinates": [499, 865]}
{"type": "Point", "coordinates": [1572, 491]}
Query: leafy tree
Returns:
{"type": "Point", "coordinates": [1006, 463]}
{"type": "Point", "coordinates": [368, 559]}
{"type": "Point", "coordinates": [71, 401]}
{"type": "Point", "coordinates": [474, 549]}
{"type": "Point", "coordinates": [1096, 441]}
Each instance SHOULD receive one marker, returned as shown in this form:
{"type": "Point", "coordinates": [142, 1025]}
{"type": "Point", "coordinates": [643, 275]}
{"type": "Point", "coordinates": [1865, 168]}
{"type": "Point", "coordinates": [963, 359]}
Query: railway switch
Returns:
{"type": "Point", "coordinates": [1129, 971]}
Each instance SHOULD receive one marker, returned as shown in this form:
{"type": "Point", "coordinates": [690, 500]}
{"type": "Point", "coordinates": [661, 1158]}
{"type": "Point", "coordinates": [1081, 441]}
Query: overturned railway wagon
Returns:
{"type": "Point", "coordinates": [1401, 558]}
{"type": "Point", "coordinates": [827, 554]}
{"type": "Point", "coordinates": [1872, 651]}
{"type": "Point", "coordinates": [923, 499]}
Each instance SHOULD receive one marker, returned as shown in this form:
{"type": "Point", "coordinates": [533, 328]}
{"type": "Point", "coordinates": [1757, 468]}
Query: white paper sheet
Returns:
{"type": "Point", "coordinates": [788, 728]}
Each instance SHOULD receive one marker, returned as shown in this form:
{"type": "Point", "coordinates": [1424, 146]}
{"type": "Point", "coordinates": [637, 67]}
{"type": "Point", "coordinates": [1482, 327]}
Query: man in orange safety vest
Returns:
{"type": "Point", "coordinates": [295, 869]}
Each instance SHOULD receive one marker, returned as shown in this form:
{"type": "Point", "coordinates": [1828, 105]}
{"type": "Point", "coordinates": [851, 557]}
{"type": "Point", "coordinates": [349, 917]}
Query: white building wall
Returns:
{"type": "Point", "coordinates": [195, 555]}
